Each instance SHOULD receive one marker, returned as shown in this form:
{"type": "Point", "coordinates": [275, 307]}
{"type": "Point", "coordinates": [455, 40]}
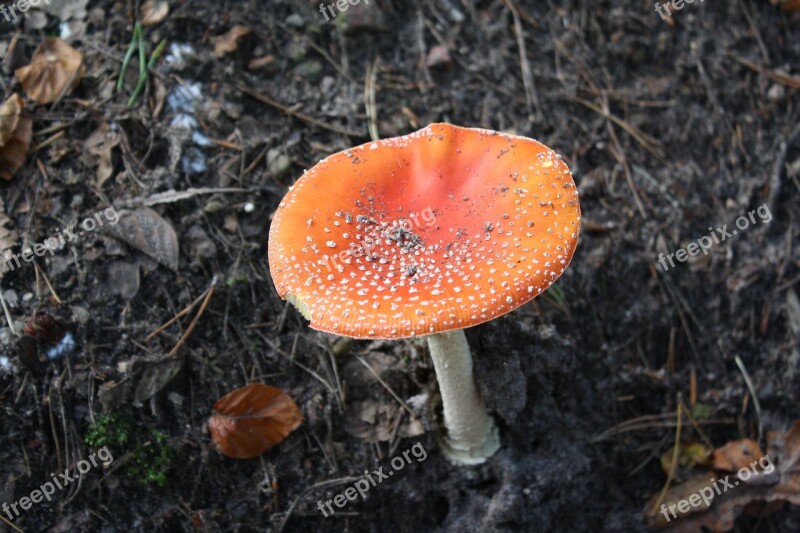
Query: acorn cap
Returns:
{"type": "Point", "coordinates": [438, 230]}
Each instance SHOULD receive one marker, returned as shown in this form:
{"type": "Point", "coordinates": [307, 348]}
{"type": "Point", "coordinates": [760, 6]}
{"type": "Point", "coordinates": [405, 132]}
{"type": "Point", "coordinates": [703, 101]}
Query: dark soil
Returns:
{"type": "Point", "coordinates": [668, 128]}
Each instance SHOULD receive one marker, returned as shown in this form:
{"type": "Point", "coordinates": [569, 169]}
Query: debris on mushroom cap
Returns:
{"type": "Point", "coordinates": [438, 230]}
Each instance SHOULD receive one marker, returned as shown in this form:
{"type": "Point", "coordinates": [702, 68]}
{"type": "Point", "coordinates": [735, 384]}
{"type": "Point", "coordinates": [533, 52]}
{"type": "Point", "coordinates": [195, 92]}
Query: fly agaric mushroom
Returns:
{"type": "Point", "coordinates": [427, 234]}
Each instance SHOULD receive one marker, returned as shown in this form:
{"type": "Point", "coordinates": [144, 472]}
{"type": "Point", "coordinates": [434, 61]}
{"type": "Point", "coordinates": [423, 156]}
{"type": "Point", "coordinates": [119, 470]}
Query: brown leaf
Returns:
{"type": "Point", "coordinates": [97, 150]}
{"type": "Point", "coordinates": [8, 238]}
{"type": "Point", "coordinates": [790, 5]}
{"type": "Point", "coordinates": [145, 230]}
{"type": "Point", "coordinates": [153, 12]}
{"type": "Point", "coordinates": [54, 68]}
{"type": "Point", "coordinates": [45, 327]}
{"type": "Point", "coordinates": [227, 42]}
{"type": "Point", "coordinates": [736, 455]}
{"type": "Point", "coordinates": [253, 419]}
{"type": "Point", "coordinates": [9, 117]}
{"type": "Point", "coordinates": [776, 481]}
{"type": "Point", "coordinates": [16, 131]}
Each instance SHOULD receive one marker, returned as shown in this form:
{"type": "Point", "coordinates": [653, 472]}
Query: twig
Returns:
{"type": "Point", "coordinates": [264, 99]}
{"type": "Point", "coordinates": [210, 293]}
{"type": "Point", "coordinates": [47, 281]}
{"type": "Point", "coordinates": [369, 99]}
{"type": "Point", "coordinates": [10, 524]}
{"type": "Point", "coordinates": [531, 98]}
{"type": "Point", "coordinates": [8, 314]}
{"type": "Point", "coordinates": [752, 390]}
{"type": "Point", "coordinates": [322, 485]}
{"type": "Point", "coordinates": [396, 397]}
{"type": "Point", "coordinates": [674, 462]}
{"type": "Point", "coordinates": [172, 320]}
{"type": "Point", "coordinates": [775, 75]}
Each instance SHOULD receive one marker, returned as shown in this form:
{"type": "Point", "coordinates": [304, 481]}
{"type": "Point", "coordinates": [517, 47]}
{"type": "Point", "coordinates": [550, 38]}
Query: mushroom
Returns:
{"type": "Point", "coordinates": [427, 234]}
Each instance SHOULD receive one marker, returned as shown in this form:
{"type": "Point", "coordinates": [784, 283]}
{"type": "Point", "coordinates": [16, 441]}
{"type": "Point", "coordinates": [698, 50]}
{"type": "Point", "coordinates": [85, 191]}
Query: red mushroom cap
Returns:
{"type": "Point", "coordinates": [438, 230]}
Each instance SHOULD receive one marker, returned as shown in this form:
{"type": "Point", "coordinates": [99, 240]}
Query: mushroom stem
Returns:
{"type": "Point", "coordinates": [471, 433]}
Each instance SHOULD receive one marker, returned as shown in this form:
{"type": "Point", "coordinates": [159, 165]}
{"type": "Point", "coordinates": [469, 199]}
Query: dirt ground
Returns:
{"type": "Point", "coordinates": [671, 127]}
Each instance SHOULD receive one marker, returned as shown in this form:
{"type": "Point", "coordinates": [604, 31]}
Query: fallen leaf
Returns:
{"type": "Point", "coordinates": [145, 230]}
{"type": "Point", "coordinates": [97, 151]}
{"type": "Point", "coordinates": [227, 42]}
{"type": "Point", "coordinates": [16, 131]}
{"type": "Point", "coordinates": [8, 238]}
{"type": "Point", "coordinates": [44, 327]}
{"type": "Point", "coordinates": [155, 378]}
{"type": "Point", "coordinates": [54, 68]}
{"type": "Point", "coordinates": [253, 419]}
{"type": "Point", "coordinates": [153, 12]}
{"type": "Point", "coordinates": [736, 455]}
{"type": "Point", "coordinates": [788, 5]}
{"type": "Point", "coordinates": [370, 420]}
{"type": "Point", "coordinates": [776, 481]}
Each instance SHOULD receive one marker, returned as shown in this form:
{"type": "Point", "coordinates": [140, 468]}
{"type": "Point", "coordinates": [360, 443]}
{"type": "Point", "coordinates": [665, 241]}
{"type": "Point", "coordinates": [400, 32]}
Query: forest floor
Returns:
{"type": "Point", "coordinates": [671, 127]}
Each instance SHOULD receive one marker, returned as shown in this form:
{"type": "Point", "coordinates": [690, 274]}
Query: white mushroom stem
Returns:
{"type": "Point", "coordinates": [471, 433]}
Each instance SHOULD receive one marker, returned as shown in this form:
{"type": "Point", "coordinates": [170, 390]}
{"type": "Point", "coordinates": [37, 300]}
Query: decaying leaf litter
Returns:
{"type": "Point", "coordinates": [610, 389]}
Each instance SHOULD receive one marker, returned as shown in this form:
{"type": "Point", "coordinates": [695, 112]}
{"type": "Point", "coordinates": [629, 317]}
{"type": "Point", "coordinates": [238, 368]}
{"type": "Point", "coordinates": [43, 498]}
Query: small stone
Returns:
{"type": "Point", "coordinates": [296, 50]}
{"type": "Point", "coordinates": [295, 21]}
{"type": "Point", "coordinates": [776, 92]}
{"type": "Point", "coordinates": [311, 70]}
{"type": "Point", "coordinates": [80, 314]}
{"type": "Point", "coordinates": [278, 164]}
{"type": "Point", "coordinates": [212, 206]}
{"type": "Point", "coordinates": [439, 57]}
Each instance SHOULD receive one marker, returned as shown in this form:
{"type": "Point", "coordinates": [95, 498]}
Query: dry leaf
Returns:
{"type": "Point", "coordinates": [10, 112]}
{"type": "Point", "coordinates": [145, 230]}
{"type": "Point", "coordinates": [253, 419]}
{"type": "Point", "coordinates": [370, 420]}
{"type": "Point", "coordinates": [777, 481]}
{"type": "Point", "coordinates": [97, 151]}
{"type": "Point", "coordinates": [736, 454]}
{"type": "Point", "coordinates": [8, 238]}
{"type": "Point", "coordinates": [226, 43]}
{"type": "Point", "coordinates": [54, 68]}
{"type": "Point", "coordinates": [16, 131]}
{"type": "Point", "coordinates": [787, 5]}
{"type": "Point", "coordinates": [155, 378]}
{"type": "Point", "coordinates": [153, 12]}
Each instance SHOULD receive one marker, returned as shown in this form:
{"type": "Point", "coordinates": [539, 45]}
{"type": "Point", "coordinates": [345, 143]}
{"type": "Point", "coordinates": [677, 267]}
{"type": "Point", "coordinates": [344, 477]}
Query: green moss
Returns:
{"type": "Point", "coordinates": [112, 430]}
{"type": "Point", "coordinates": [241, 278]}
{"type": "Point", "coordinates": [150, 455]}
